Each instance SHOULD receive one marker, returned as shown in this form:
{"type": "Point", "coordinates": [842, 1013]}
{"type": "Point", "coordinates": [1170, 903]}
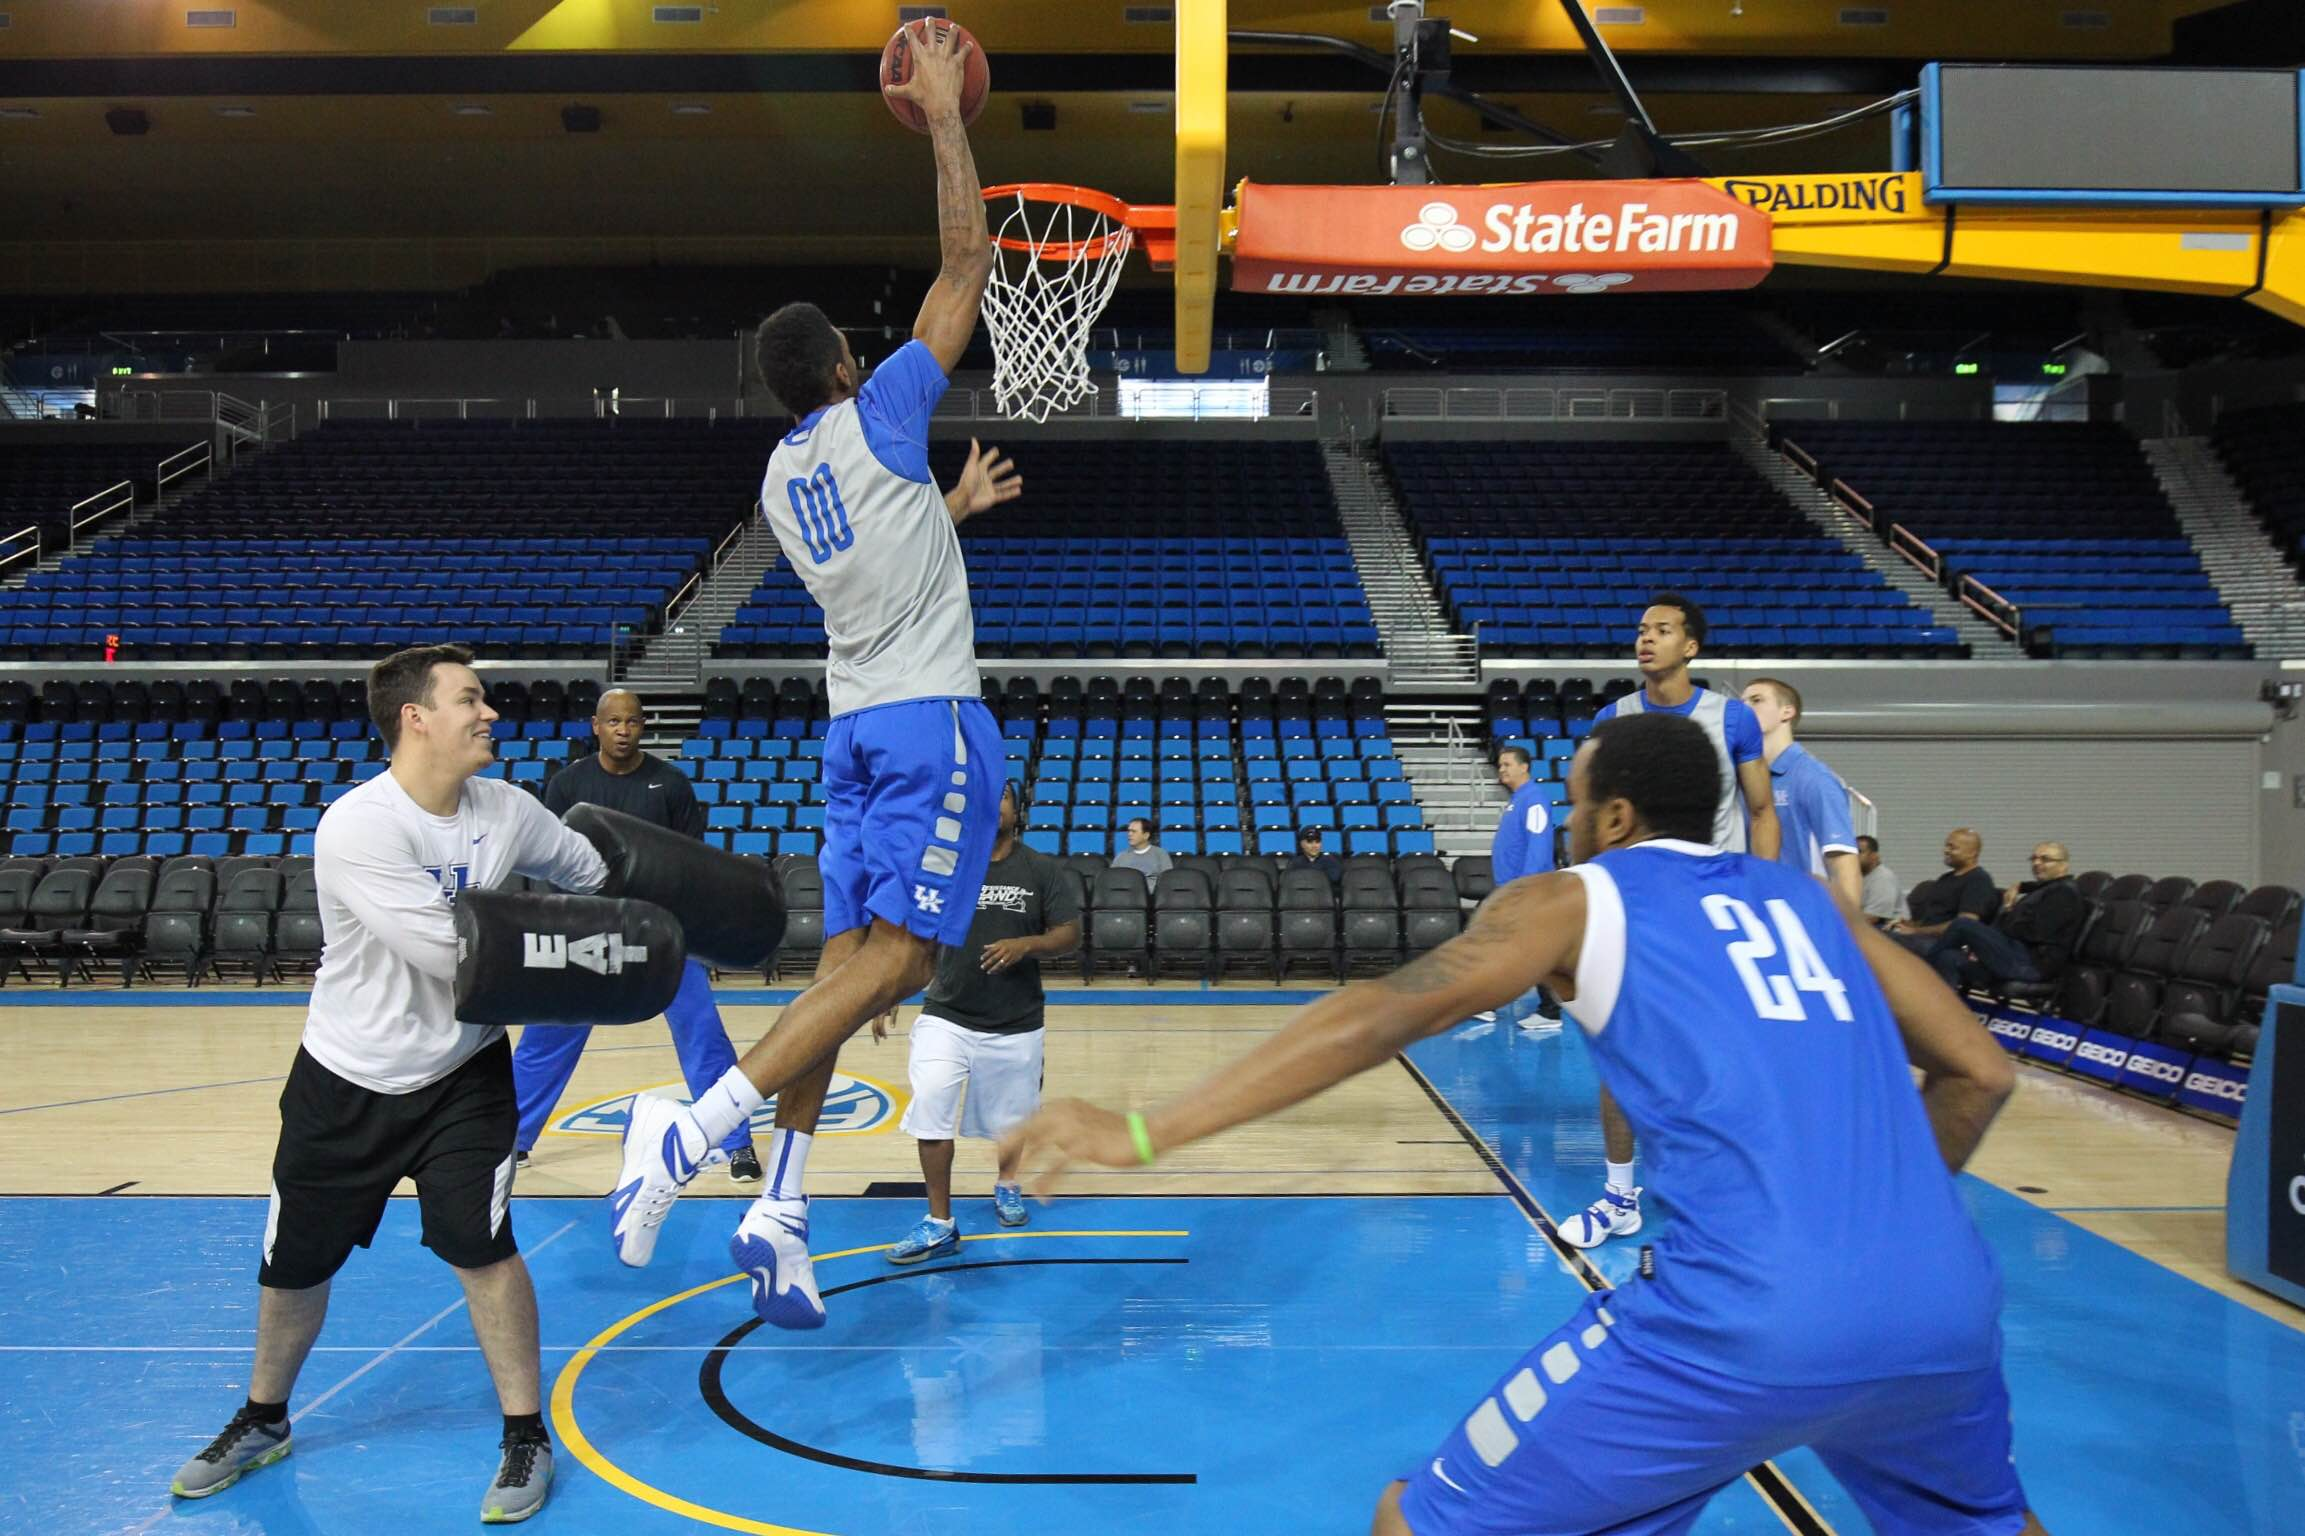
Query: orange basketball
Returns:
{"type": "Point", "coordinates": [896, 68]}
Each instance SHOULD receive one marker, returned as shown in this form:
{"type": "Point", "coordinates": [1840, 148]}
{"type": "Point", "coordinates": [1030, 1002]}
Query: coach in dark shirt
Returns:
{"type": "Point", "coordinates": [622, 777]}
{"type": "Point", "coordinates": [2031, 941]}
{"type": "Point", "coordinates": [1963, 890]}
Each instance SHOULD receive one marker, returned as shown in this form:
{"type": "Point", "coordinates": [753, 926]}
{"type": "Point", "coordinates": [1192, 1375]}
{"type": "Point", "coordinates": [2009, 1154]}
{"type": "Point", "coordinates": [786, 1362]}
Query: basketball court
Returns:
{"type": "Point", "coordinates": [1253, 1336]}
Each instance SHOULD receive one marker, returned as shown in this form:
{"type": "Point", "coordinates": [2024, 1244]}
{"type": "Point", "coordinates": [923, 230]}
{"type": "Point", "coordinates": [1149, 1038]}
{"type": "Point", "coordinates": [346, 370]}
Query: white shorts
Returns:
{"type": "Point", "coordinates": [1000, 1072]}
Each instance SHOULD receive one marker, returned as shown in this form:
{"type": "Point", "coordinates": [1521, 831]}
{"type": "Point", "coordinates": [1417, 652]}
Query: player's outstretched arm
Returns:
{"type": "Point", "coordinates": [1965, 1077]}
{"type": "Point", "coordinates": [985, 482]}
{"type": "Point", "coordinates": [948, 315]}
{"type": "Point", "coordinates": [1524, 934]}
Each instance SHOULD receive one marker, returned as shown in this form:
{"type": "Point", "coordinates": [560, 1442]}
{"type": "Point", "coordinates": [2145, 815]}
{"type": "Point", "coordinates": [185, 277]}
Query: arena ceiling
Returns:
{"type": "Point", "coordinates": [754, 130]}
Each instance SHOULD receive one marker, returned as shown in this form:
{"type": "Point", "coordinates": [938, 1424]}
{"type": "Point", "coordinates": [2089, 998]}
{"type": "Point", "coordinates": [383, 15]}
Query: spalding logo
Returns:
{"type": "Point", "coordinates": [853, 1106]}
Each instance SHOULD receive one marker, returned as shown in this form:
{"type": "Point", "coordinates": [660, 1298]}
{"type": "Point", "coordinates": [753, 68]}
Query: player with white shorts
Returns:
{"type": "Point", "coordinates": [976, 1047]}
{"type": "Point", "coordinates": [912, 759]}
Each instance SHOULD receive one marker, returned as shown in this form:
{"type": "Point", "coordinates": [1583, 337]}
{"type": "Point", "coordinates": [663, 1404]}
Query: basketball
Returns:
{"type": "Point", "coordinates": [896, 68]}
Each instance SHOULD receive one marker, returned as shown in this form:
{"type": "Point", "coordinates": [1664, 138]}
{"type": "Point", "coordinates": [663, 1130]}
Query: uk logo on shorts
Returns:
{"type": "Point", "coordinates": [853, 1106]}
{"type": "Point", "coordinates": [927, 900]}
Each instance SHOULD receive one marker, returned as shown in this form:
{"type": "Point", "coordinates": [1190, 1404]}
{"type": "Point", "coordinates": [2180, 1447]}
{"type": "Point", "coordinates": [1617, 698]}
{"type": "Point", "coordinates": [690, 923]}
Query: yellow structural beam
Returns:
{"type": "Point", "coordinates": [1200, 174]}
{"type": "Point", "coordinates": [1878, 222]}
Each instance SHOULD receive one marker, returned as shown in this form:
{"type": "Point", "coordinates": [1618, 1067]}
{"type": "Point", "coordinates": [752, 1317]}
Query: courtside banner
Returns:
{"type": "Point", "coordinates": [2215, 1087]}
{"type": "Point", "coordinates": [2155, 1070]}
{"type": "Point", "coordinates": [1515, 239]}
{"type": "Point", "coordinates": [2101, 1056]}
{"type": "Point", "coordinates": [2053, 1041]}
{"type": "Point", "coordinates": [2012, 1030]}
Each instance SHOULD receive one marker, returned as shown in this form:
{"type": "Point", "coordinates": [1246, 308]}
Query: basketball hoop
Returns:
{"type": "Point", "coordinates": [1058, 253]}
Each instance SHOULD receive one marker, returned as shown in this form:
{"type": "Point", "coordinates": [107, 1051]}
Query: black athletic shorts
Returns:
{"type": "Point", "coordinates": [343, 1148]}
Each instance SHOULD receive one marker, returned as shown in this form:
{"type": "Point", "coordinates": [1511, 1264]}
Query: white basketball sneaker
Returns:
{"type": "Point", "coordinates": [1615, 1214]}
{"type": "Point", "coordinates": [663, 1147]}
{"type": "Point", "coordinates": [771, 1245]}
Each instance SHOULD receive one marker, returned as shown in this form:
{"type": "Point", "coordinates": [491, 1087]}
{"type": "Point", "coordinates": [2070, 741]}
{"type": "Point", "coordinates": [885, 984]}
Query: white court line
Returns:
{"type": "Point", "coordinates": [405, 1348]}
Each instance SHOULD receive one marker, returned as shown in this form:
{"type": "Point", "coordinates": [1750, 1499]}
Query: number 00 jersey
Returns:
{"type": "Point", "coordinates": [1815, 1236]}
{"type": "Point", "coordinates": [856, 512]}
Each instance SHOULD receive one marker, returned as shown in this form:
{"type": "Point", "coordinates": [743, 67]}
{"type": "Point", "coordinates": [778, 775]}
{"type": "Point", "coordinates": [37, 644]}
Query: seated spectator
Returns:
{"type": "Point", "coordinates": [1883, 898]}
{"type": "Point", "coordinates": [1964, 890]}
{"type": "Point", "coordinates": [1143, 855]}
{"type": "Point", "coordinates": [2031, 940]}
{"type": "Point", "coordinates": [1310, 856]}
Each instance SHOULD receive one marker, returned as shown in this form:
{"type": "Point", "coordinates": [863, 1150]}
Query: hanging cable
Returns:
{"type": "Point", "coordinates": [1739, 138]}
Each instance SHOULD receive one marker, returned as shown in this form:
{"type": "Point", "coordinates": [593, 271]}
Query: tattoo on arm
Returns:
{"type": "Point", "coordinates": [959, 199]}
{"type": "Point", "coordinates": [1450, 964]}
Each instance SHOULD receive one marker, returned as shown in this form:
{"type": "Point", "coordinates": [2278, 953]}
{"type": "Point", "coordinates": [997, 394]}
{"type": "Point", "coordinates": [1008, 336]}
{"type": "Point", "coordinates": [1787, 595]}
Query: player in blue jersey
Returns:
{"type": "Point", "coordinates": [1763, 1039]}
{"type": "Point", "coordinates": [913, 761]}
{"type": "Point", "coordinates": [1815, 835]}
{"type": "Point", "coordinates": [1671, 633]}
{"type": "Point", "coordinates": [1523, 845]}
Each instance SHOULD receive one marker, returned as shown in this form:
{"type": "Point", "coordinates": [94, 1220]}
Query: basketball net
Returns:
{"type": "Point", "coordinates": [1055, 264]}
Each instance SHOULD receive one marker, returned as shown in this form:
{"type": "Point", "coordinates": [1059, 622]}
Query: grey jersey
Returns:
{"type": "Point", "coordinates": [1736, 736]}
{"type": "Point", "coordinates": [856, 512]}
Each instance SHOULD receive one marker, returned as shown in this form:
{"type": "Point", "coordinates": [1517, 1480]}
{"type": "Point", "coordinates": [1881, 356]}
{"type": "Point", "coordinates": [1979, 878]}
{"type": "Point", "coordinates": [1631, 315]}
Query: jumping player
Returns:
{"type": "Point", "coordinates": [1761, 1036]}
{"type": "Point", "coordinates": [913, 761]}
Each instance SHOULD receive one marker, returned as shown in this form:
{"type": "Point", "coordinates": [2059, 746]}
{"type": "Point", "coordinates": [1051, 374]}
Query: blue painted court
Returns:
{"type": "Point", "coordinates": [1154, 1364]}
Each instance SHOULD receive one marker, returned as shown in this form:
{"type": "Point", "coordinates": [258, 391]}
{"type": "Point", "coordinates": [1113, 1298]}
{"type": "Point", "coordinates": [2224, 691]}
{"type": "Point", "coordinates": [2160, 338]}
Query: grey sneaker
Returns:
{"type": "Point", "coordinates": [523, 1478]}
{"type": "Point", "coordinates": [244, 1446]}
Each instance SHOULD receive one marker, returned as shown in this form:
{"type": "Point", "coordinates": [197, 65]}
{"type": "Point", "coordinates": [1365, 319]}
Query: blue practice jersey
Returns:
{"type": "Point", "coordinates": [1815, 1234]}
{"type": "Point", "coordinates": [1736, 737]}
{"type": "Point", "coordinates": [858, 516]}
{"type": "Point", "coordinates": [1812, 811]}
{"type": "Point", "coordinates": [1524, 841]}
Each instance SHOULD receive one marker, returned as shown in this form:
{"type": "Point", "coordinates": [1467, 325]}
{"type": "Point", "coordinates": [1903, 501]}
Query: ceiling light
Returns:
{"type": "Point", "coordinates": [472, 109]}
{"type": "Point", "coordinates": [691, 109]}
{"type": "Point", "coordinates": [235, 111]}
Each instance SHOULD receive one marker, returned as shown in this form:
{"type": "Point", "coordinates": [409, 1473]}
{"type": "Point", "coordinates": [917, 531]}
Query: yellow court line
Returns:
{"type": "Point", "coordinates": [572, 1435]}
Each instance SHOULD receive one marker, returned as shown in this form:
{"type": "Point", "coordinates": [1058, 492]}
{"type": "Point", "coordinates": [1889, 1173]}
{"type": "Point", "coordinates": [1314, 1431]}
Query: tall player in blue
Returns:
{"type": "Point", "coordinates": [1762, 1037]}
{"type": "Point", "coordinates": [1672, 632]}
{"type": "Point", "coordinates": [913, 761]}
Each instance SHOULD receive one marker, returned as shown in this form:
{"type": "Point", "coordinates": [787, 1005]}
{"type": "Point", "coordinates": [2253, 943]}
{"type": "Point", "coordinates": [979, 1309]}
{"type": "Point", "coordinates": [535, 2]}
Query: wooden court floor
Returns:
{"type": "Point", "coordinates": [178, 1100]}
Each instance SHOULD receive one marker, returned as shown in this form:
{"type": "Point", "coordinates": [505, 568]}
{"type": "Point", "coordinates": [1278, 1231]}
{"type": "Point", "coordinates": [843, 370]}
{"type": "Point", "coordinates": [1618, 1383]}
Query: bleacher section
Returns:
{"type": "Point", "coordinates": [1616, 333]}
{"type": "Point", "coordinates": [1554, 546]}
{"type": "Point", "coordinates": [2062, 519]}
{"type": "Point", "coordinates": [41, 482]}
{"type": "Point", "coordinates": [529, 538]}
{"type": "Point", "coordinates": [2265, 450]}
{"type": "Point", "coordinates": [1136, 548]}
{"type": "Point", "coordinates": [1547, 719]}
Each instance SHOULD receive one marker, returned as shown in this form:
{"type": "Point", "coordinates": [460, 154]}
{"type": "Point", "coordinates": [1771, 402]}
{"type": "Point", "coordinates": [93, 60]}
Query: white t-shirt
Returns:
{"type": "Point", "coordinates": [383, 1011]}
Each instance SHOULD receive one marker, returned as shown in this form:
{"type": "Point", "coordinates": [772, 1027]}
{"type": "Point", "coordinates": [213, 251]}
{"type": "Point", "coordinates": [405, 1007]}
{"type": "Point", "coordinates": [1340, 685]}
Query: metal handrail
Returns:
{"type": "Point", "coordinates": [1801, 456]}
{"type": "Point", "coordinates": [30, 537]}
{"type": "Point", "coordinates": [274, 414]}
{"type": "Point", "coordinates": [1852, 498]}
{"type": "Point", "coordinates": [176, 466]}
{"type": "Point", "coordinates": [1831, 404]}
{"type": "Point", "coordinates": [114, 497]}
{"type": "Point", "coordinates": [1991, 606]}
{"type": "Point", "coordinates": [1917, 550]}
{"type": "Point", "coordinates": [1543, 403]}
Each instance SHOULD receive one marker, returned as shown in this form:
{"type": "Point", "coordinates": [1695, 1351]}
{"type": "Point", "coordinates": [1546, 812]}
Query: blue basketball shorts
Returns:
{"type": "Point", "coordinates": [1589, 1433]}
{"type": "Point", "coordinates": [911, 806]}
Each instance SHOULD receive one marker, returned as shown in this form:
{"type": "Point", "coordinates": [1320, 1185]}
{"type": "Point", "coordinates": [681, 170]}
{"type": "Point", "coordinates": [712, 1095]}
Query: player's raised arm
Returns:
{"type": "Point", "coordinates": [948, 315]}
{"type": "Point", "coordinates": [1965, 1077]}
{"type": "Point", "coordinates": [1525, 933]}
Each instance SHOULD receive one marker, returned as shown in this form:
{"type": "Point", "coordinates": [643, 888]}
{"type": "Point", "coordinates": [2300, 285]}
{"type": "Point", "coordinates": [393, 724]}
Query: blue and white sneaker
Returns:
{"type": "Point", "coordinates": [932, 1239]}
{"type": "Point", "coordinates": [1008, 1205]}
{"type": "Point", "coordinates": [663, 1148]}
{"type": "Point", "coordinates": [1615, 1214]}
{"type": "Point", "coordinates": [771, 1245]}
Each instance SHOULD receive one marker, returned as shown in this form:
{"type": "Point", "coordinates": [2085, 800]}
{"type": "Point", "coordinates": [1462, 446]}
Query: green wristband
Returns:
{"type": "Point", "coordinates": [1142, 1138]}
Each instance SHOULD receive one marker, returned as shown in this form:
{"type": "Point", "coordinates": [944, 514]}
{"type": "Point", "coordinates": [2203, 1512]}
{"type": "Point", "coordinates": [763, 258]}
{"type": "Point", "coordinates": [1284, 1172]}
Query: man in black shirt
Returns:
{"type": "Point", "coordinates": [980, 1028]}
{"type": "Point", "coordinates": [1310, 855]}
{"type": "Point", "coordinates": [624, 778]}
{"type": "Point", "coordinates": [2031, 941]}
{"type": "Point", "coordinates": [1963, 891]}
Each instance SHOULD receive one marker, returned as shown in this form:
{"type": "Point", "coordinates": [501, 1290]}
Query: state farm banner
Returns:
{"type": "Point", "coordinates": [1516, 239]}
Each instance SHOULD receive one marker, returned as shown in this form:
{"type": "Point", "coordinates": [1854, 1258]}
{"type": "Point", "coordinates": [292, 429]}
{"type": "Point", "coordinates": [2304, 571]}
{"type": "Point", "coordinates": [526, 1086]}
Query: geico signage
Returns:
{"type": "Point", "coordinates": [2142, 1065]}
{"type": "Point", "coordinates": [1538, 237]}
{"type": "Point", "coordinates": [2209, 1085]}
{"type": "Point", "coordinates": [2054, 1039]}
{"type": "Point", "coordinates": [2103, 1055]}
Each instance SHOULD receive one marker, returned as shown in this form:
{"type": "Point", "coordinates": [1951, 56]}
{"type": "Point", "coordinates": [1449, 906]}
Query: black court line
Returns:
{"type": "Point", "coordinates": [1781, 1496]}
{"type": "Point", "coordinates": [709, 1384]}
